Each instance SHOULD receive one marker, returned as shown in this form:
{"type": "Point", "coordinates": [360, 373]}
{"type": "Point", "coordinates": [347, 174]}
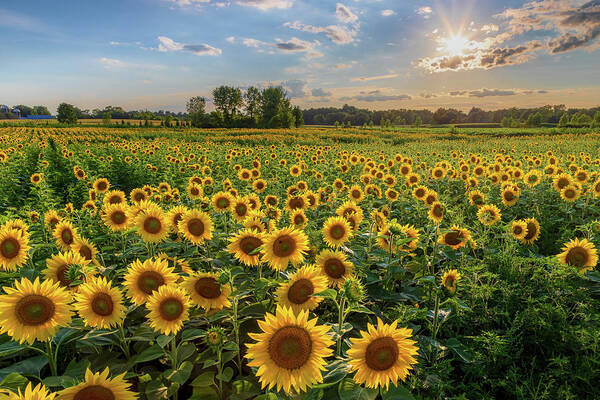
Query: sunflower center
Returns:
{"type": "Point", "coordinates": [518, 230]}
{"type": "Point", "coordinates": [284, 246]}
{"type": "Point", "coordinates": [334, 268]}
{"type": "Point", "coordinates": [34, 310]}
{"type": "Point", "coordinates": [149, 281]}
{"type": "Point", "coordinates": [508, 196]}
{"type": "Point", "coordinates": [196, 227]}
{"type": "Point", "coordinates": [290, 347]}
{"type": "Point", "coordinates": [453, 238]}
{"type": "Point", "coordinates": [208, 288]}
{"type": "Point", "coordinates": [66, 236]}
{"type": "Point", "coordinates": [170, 309]}
{"type": "Point", "coordinates": [118, 217]}
{"type": "Point", "coordinates": [152, 225]}
{"type": "Point", "coordinates": [577, 256]}
{"type": "Point", "coordinates": [114, 199]}
{"type": "Point", "coordinates": [94, 392]}
{"type": "Point", "coordinates": [10, 247]}
{"type": "Point", "coordinates": [531, 231]}
{"type": "Point", "coordinates": [249, 244]}
{"type": "Point", "coordinates": [241, 209]}
{"type": "Point", "coordinates": [102, 304]}
{"type": "Point", "coordinates": [300, 291]}
{"type": "Point", "coordinates": [296, 202]}
{"type": "Point", "coordinates": [222, 203]}
{"type": "Point", "coordinates": [381, 353]}
{"type": "Point", "coordinates": [337, 232]}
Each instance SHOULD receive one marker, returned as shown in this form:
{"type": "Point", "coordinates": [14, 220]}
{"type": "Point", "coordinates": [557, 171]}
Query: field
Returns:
{"type": "Point", "coordinates": [314, 263]}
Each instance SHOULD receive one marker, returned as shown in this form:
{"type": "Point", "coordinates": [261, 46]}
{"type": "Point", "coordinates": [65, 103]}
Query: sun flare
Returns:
{"type": "Point", "coordinates": [455, 45]}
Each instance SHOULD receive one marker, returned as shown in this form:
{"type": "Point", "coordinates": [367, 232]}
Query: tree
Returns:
{"type": "Point", "coordinates": [418, 122]}
{"type": "Point", "coordinates": [596, 123]}
{"type": "Point", "coordinates": [228, 100]}
{"type": "Point", "coordinates": [25, 110]}
{"type": "Point", "coordinates": [253, 100]}
{"type": "Point", "coordinates": [195, 108]}
{"type": "Point", "coordinates": [106, 117]}
{"type": "Point", "coordinates": [66, 114]}
{"type": "Point", "coordinates": [40, 110]}
{"type": "Point", "coordinates": [276, 110]}
{"type": "Point", "coordinates": [299, 119]}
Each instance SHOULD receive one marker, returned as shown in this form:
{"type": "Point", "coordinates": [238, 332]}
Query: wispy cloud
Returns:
{"type": "Point", "coordinates": [258, 4]}
{"type": "Point", "coordinates": [167, 44]}
{"type": "Point", "coordinates": [387, 13]}
{"type": "Point", "coordinates": [337, 34]}
{"type": "Point", "coordinates": [293, 45]}
{"type": "Point", "coordinates": [376, 96]}
{"type": "Point", "coordinates": [116, 64]}
{"type": "Point", "coordinates": [373, 78]}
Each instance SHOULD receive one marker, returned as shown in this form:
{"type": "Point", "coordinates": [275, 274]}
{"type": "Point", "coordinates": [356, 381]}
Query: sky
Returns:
{"type": "Point", "coordinates": [375, 54]}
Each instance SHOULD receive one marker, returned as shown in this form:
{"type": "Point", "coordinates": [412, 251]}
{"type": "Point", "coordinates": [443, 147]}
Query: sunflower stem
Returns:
{"type": "Point", "coordinates": [124, 344]}
{"type": "Point", "coordinates": [341, 306]}
{"type": "Point", "coordinates": [51, 358]}
{"type": "Point", "coordinates": [174, 365]}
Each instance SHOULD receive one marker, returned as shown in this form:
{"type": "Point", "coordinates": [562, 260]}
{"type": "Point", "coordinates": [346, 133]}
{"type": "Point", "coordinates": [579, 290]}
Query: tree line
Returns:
{"type": "Point", "coordinates": [510, 117]}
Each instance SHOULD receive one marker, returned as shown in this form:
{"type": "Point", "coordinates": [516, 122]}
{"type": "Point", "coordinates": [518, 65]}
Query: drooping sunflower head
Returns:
{"type": "Point", "coordinates": [456, 237]}
{"type": "Point", "coordinates": [290, 352]}
{"type": "Point", "coordinates": [579, 253]}
{"type": "Point", "coordinates": [64, 233]}
{"type": "Point", "coordinates": [245, 246]}
{"type": "Point", "coordinates": [334, 266]}
{"type": "Point", "coordinates": [298, 291]}
{"type": "Point", "coordinates": [99, 386]}
{"type": "Point", "coordinates": [382, 355]}
{"type": "Point", "coordinates": [533, 231]}
{"type": "Point", "coordinates": [450, 280]}
{"type": "Point", "coordinates": [34, 311]}
{"type": "Point", "coordinates": [282, 246]}
{"type": "Point", "coordinates": [67, 268]}
{"type": "Point", "coordinates": [489, 214]}
{"type": "Point", "coordinates": [14, 245]}
{"type": "Point", "coordinates": [175, 215]}
{"type": "Point", "coordinates": [116, 216]}
{"type": "Point", "coordinates": [143, 278]}
{"type": "Point", "coordinates": [206, 291]}
{"type": "Point", "coordinates": [518, 229]}
{"type": "Point", "coordinates": [196, 226]}
{"type": "Point", "coordinates": [168, 308]}
{"type": "Point", "coordinates": [99, 304]}
{"type": "Point", "coordinates": [336, 231]}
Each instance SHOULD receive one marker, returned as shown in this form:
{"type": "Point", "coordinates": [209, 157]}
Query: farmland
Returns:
{"type": "Point", "coordinates": [305, 263]}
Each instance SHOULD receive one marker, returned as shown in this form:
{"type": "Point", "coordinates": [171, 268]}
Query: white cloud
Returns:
{"type": "Point", "coordinates": [373, 78]}
{"type": "Point", "coordinates": [337, 34]}
{"type": "Point", "coordinates": [230, 39]}
{"type": "Point", "coordinates": [344, 14]}
{"type": "Point", "coordinates": [266, 4]}
{"type": "Point", "coordinates": [112, 63]}
{"type": "Point", "coordinates": [425, 11]}
{"type": "Point", "coordinates": [293, 45]}
{"type": "Point", "coordinates": [387, 13]}
{"type": "Point", "coordinates": [115, 64]}
{"type": "Point", "coordinates": [167, 44]}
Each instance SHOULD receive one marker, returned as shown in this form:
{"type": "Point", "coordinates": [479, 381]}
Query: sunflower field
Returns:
{"type": "Point", "coordinates": [316, 263]}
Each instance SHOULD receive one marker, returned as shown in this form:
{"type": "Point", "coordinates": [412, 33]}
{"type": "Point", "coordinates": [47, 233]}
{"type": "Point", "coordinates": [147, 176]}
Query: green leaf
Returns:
{"type": "Point", "coordinates": [191, 334]}
{"type": "Point", "coordinates": [349, 390]}
{"type": "Point", "coordinates": [156, 390]}
{"type": "Point", "coordinates": [459, 349]}
{"type": "Point", "coordinates": [226, 375]}
{"type": "Point", "coordinates": [149, 354]}
{"type": "Point", "coordinates": [267, 396]}
{"type": "Point", "coordinates": [28, 367]}
{"type": "Point", "coordinates": [396, 393]}
{"type": "Point", "coordinates": [164, 340]}
{"type": "Point", "coordinates": [336, 371]}
{"type": "Point", "coordinates": [182, 374]}
{"type": "Point", "coordinates": [10, 349]}
{"type": "Point", "coordinates": [327, 294]}
{"type": "Point", "coordinates": [204, 380]}
{"type": "Point", "coordinates": [185, 351]}
{"type": "Point", "coordinates": [204, 393]}
{"type": "Point", "coordinates": [14, 382]}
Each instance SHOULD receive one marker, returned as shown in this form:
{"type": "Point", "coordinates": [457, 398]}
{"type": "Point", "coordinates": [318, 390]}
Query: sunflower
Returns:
{"type": "Point", "coordinates": [290, 352]}
{"type": "Point", "coordinates": [85, 248]}
{"type": "Point", "coordinates": [570, 193]}
{"type": "Point", "coordinates": [206, 291]}
{"type": "Point", "coordinates": [450, 280]}
{"type": "Point", "coordinates": [419, 192]}
{"type": "Point", "coordinates": [99, 304]}
{"type": "Point", "coordinates": [561, 180]}
{"type": "Point", "coordinates": [382, 355]}
{"type": "Point", "coordinates": [455, 238]}
{"type": "Point", "coordinates": [101, 185]}
{"type": "Point", "coordinates": [39, 392]}
{"type": "Point", "coordinates": [282, 246]}
{"type": "Point", "coordinates": [14, 245]}
{"type": "Point", "coordinates": [259, 185]}
{"type": "Point", "coordinates": [175, 215]}
{"type": "Point", "coordinates": [596, 188]}
{"type": "Point", "coordinates": [99, 386]}
{"type": "Point", "coordinates": [356, 193]}
{"type": "Point", "coordinates": [168, 308]}
{"type": "Point", "coordinates": [114, 197]}
{"type": "Point", "coordinates": [142, 278]}
{"type": "Point", "coordinates": [36, 179]}
{"type": "Point", "coordinates": [116, 216]}
{"type": "Point", "coordinates": [34, 311]}
{"type": "Point", "coordinates": [222, 201]}
{"type": "Point", "coordinates": [18, 224]}
{"type": "Point", "coordinates": [336, 231]}
{"type": "Point", "coordinates": [518, 229]}
{"type": "Point", "coordinates": [436, 212]}
{"type": "Point", "coordinates": [65, 234]}
{"type": "Point", "coordinates": [400, 234]}
{"type": "Point", "coordinates": [240, 209]}
{"type": "Point", "coordinates": [509, 196]}
{"type": "Point", "coordinates": [59, 265]}
{"type": "Point", "coordinates": [245, 246]}
{"type": "Point", "coordinates": [533, 231]}
{"type": "Point", "coordinates": [532, 178]}
{"type": "Point", "coordinates": [194, 191]}
{"type": "Point", "coordinates": [579, 253]}
{"type": "Point", "coordinates": [298, 219]}
{"type": "Point", "coordinates": [476, 198]}
{"type": "Point", "coordinates": [489, 214]}
{"type": "Point", "coordinates": [334, 267]}
{"type": "Point", "coordinates": [151, 223]}
{"type": "Point", "coordinates": [196, 226]}
{"type": "Point", "coordinates": [298, 291]}
{"type": "Point", "coordinates": [430, 198]}
{"type": "Point", "coordinates": [138, 195]}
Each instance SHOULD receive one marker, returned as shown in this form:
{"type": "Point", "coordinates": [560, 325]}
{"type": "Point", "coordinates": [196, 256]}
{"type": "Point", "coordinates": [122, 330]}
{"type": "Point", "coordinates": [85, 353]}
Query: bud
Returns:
{"type": "Point", "coordinates": [354, 290]}
{"type": "Point", "coordinates": [215, 336]}
{"type": "Point", "coordinates": [223, 277]}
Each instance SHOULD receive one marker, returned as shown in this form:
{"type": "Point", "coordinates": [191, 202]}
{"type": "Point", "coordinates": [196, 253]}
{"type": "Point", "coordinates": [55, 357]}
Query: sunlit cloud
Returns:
{"type": "Point", "coordinates": [373, 78]}
{"type": "Point", "coordinates": [167, 44]}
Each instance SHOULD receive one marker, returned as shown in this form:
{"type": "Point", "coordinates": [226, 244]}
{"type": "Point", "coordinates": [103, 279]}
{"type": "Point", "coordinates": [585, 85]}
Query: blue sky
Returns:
{"type": "Point", "coordinates": [377, 54]}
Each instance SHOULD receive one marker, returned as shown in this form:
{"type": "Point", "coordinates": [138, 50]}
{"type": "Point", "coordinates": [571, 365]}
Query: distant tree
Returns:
{"type": "Point", "coordinates": [168, 120]}
{"type": "Point", "coordinates": [418, 121]}
{"type": "Point", "coordinates": [195, 108]}
{"type": "Point", "coordinates": [66, 114]}
{"type": "Point", "coordinates": [596, 123]}
{"type": "Point", "coordinates": [506, 122]}
{"type": "Point", "coordinates": [40, 110]}
{"type": "Point", "coordinates": [298, 118]}
{"type": "Point", "coordinates": [25, 110]}
{"type": "Point", "coordinates": [253, 98]}
{"type": "Point", "coordinates": [534, 120]}
{"type": "Point", "coordinates": [228, 100]}
{"type": "Point", "coordinates": [337, 124]}
{"type": "Point", "coordinates": [106, 117]}
{"type": "Point", "coordinates": [276, 110]}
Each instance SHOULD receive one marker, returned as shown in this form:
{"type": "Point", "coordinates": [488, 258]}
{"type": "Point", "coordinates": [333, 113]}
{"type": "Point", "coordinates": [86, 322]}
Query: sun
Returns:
{"type": "Point", "coordinates": [455, 45]}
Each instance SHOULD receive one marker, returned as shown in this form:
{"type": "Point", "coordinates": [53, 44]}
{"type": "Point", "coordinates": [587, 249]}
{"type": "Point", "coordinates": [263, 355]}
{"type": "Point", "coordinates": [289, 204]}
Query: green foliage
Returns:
{"type": "Point", "coordinates": [66, 114]}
